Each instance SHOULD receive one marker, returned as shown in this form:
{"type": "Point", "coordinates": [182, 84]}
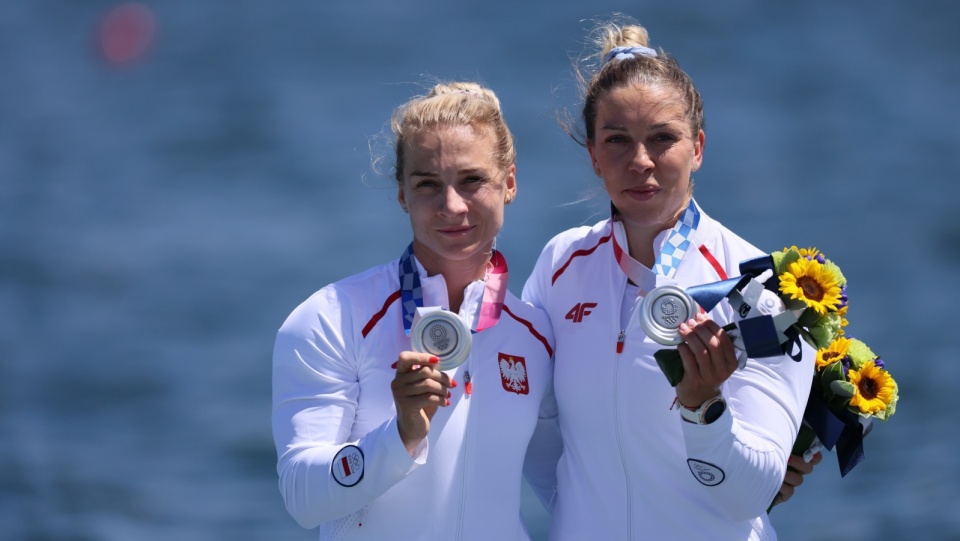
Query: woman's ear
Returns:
{"type": "Point", "coordinates": [593, 160]}
{"type": "Point", "coordinates": [402, 199]}
{"type": "Point", "coordinates": [510, 193]}
{"type": "Point", "coordinates": [698, 150]}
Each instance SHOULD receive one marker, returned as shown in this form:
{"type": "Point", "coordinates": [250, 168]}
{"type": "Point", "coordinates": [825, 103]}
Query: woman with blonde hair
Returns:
{"type": "Point", "coordinates": [376, 438]}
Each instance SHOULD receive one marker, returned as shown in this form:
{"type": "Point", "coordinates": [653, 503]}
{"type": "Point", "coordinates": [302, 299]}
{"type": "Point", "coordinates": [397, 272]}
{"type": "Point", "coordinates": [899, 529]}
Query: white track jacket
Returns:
{"type": "Point", "coordinates": [331, 389]}
{"type": "Point", "coordinates": [631, 468]}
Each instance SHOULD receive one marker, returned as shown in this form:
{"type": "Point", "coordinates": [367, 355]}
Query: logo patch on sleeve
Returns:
{"type": "Point", "coordinates": [705, 472]}
{"type": "Point", "coordinates": [347, 467]}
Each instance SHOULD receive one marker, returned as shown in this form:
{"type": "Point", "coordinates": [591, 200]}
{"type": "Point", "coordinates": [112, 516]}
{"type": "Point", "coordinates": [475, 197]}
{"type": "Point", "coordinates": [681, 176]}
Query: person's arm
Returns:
{"type": "Point", "coordinates": [315, 400]}
{"type": "Point", "coordinates": [543, 453]}
{"type": "Point", "coordinates": [546, 443]}
{"type": "Point", "coordinates": [741, 457]}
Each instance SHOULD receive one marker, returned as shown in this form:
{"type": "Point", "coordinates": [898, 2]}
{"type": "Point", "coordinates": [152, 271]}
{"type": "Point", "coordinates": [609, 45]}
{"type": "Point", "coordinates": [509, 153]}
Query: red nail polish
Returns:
{"type": "Point", "coordinates": [448, 402]}
{"type": "Point", "coordinates": [394, 365]}
{"type": "Point", "coordinates": [448, 395]}
{"type": "Point", "coordinates": [453, 383]}
{"type": "Point", "coordinates": [434, 360]}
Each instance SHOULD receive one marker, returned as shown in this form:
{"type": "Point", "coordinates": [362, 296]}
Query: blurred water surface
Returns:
{"type": "Point", "coordinates": [160, 220]}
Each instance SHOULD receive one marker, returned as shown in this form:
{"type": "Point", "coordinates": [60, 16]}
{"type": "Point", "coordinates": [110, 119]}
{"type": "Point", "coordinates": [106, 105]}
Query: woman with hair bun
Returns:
{"type": "Point", "coordinates": [641, 459]}
{"type": "Point", "coordinates": [376, 440]}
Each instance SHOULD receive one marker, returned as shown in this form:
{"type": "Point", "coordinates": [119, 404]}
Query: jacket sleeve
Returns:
{"type": "Point", "coordinates": [751, 442]}
{"type": "Point", "coordinates": [315, 400]}
{"type": "Point", "coordinates": [546, 443]}
{"type": "Point", "coordinates": [543, 452]}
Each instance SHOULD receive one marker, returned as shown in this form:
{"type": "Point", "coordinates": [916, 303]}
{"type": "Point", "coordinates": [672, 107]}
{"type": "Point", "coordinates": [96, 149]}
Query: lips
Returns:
{"type": "Point", "coordinates": [455, 230]}
{"type": "Point", "coordinates": [643, 193]}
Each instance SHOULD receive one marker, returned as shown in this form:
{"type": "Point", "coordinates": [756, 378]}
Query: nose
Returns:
{"type": "Point", "coordinates": [641, 160]}
{"type": "Point", "coordinates": [453, 201]}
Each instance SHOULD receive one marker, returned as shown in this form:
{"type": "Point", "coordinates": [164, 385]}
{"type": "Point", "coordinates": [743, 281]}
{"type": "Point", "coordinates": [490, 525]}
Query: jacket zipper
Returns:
{"type": "Point", "coordinates": [621, 338]}
{"type": "Point", "coordinates": [468, 390]}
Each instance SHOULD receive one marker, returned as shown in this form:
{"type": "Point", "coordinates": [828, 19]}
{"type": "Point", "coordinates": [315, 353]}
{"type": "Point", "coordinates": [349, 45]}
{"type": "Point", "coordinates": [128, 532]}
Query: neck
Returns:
{"type": "Point", "coordinates": [457, 274]}
{"type": "Point", "coordinates": [640, 236]}
{"type": "Point", "coordinates": [640, 241]}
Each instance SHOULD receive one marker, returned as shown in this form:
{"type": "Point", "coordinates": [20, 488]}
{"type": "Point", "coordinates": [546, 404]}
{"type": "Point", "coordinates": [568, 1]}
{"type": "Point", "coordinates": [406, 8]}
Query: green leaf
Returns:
{"type": "Point", "coordinates": [835, 269]}
{"type": "Point", "coordinates": [830, 374]}
{"type": "Point", "coordinates": [788, 257]}
{"type": "Point", "coordinates": [843, 389]}
{"type": "Point", "coordinates": [804, 440]}
{"type": "Point", "coordinates": [825, 330]}
{"type": "Point", "coordinates": [777, 257]}
{"type": "Point", "coordinates": [670, 364]}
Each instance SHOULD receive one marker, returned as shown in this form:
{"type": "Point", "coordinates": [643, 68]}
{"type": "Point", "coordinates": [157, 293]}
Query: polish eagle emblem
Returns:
{"type": "Point", "coordinates": [513, 373]}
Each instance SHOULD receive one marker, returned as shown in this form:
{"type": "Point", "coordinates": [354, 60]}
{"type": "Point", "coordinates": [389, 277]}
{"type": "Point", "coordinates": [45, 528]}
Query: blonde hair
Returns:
{"type": "Point", "coordinates": [452, 104]}
{"type": "Point", "coordinates": [596, 78]}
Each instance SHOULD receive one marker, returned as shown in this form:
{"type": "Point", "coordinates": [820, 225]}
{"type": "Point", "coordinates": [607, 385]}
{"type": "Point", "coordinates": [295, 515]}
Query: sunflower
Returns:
{"type": "Point", "coordinates": [836, 351]}
{"type": "Point", "coordinates": [811, 282]}
{"type": "Point", "coordinates": [809, 253]}
{"type": "Point", "coordinates": [842, 312]}
{"type": "Point", "coordinates": [875, 389]}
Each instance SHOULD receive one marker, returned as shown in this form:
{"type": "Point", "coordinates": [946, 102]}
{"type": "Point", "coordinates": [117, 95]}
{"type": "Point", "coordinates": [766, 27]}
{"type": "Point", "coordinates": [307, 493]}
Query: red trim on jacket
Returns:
{"type": "Point", "coordinates": [576, 254]}
{"type": "Point", "coordinates": [713, 262]}
{"type": "Point", "coordinates": [376, 317]}
{"type": "Point", "coordinates": [530, 328]}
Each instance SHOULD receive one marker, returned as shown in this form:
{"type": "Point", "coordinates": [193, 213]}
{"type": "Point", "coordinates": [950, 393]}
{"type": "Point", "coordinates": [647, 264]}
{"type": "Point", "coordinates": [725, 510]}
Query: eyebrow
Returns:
{"type": "Point", "coordinates": [460, 172]}
{"type": "Point", "coordinates": [657, 126]}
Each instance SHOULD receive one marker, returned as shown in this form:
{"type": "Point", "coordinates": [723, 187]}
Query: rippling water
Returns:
{"type": "Point", "coordinates": [160, 220]}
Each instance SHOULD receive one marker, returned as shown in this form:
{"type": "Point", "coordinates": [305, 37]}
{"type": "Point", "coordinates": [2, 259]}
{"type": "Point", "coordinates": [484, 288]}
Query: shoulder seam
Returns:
{"type": "Point", "coordinates": [531, 328]}
{"type": "Point", "coordinates": [579, 253]}
{"type": "Point", "coordinates": [376, 317]}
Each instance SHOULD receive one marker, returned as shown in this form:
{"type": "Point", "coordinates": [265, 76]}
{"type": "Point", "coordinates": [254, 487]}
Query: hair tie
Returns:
{"type": "Point", "coordinates": [622, 53]}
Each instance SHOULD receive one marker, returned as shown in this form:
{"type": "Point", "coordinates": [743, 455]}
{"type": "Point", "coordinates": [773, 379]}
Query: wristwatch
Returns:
{"type": "Point", "coordinates": [708, 412]}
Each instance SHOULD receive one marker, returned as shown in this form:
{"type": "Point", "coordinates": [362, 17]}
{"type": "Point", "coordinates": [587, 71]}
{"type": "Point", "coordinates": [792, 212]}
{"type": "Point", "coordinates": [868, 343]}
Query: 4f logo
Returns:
{"type": "Point", "coordinates": [580, 310]}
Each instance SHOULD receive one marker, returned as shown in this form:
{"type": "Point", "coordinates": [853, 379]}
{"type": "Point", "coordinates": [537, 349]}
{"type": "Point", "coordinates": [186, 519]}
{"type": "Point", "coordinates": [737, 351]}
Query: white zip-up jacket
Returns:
{"type": "Point", "coordinates": [331, 389]}
{"type": "Point", "coordinates": [631, 468]}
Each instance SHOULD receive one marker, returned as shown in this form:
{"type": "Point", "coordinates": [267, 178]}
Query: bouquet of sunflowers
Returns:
{"type": "Point", "coordinates": [851, 386]}
{"type": "Point", "coordinates": [781, 298]}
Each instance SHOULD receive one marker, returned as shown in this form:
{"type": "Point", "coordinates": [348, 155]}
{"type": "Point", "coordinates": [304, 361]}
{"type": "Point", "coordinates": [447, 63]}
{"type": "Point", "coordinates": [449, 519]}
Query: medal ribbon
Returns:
{"type": "Point", "coordinates": [678, 242]}
{"type": "Point", "coordinates": [491, 306]}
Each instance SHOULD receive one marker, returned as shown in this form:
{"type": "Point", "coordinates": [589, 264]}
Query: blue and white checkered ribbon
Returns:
{"type": "Point", "coordinates": [678, 241]}
{"type": "Point", "coordinates": [411, 293]}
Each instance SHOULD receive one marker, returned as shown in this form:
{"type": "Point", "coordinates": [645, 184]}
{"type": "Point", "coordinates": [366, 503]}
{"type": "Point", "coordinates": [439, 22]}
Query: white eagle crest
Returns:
{"type": "Point", "coordinates": [514, 374]}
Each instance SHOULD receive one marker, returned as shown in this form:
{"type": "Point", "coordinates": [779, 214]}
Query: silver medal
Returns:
{"type": "Point", "coordinates": [662, 312]}
{"type": "Point", "coordinates": [443, 334]}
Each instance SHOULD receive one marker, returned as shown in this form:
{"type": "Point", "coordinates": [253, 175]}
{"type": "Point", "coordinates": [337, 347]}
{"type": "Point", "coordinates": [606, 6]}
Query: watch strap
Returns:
{"type": "Point", "coordinates": [708, 412]}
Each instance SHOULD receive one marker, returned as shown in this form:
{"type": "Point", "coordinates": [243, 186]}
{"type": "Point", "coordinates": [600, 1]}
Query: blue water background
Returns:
{"type": "Point", "coordinates": [159, 221]}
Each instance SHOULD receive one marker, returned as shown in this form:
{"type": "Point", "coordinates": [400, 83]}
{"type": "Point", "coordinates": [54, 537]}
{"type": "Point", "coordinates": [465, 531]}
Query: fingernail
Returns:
{"type": "Point", "coordinates": [394, 365]}
{"type": "Point", "coordinates": [448, 394]}
{"type": "Point", "coordinates": [684, 328]}
{"type": "Point", "coordinates": [448, 401]}
{"type": "Point", "coordinates": [434, 360]}
{"type": "Point", "coordinates": [453, 383]}
{"type": "Point", "coordinates": [692, 322]}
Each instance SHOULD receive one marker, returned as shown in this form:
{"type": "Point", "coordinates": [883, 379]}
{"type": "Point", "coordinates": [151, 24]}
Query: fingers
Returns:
{"type": "Point", "coordinates": [797, 464]}
{"type": "Point", "coordinates": [708, 358]}
{"type": "Point", "coordinates": [419, 383]}
{"type": "Point", "coordinates": [796, 470]}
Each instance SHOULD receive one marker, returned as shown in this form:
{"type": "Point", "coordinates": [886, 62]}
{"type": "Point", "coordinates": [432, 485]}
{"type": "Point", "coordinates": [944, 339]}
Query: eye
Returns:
{"type": "Point", "coordinates": [425, 184]}
{"type": "Point", "coordinates": [617, 138]}
{"type": "Point", "coordinates": [665, 137]}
